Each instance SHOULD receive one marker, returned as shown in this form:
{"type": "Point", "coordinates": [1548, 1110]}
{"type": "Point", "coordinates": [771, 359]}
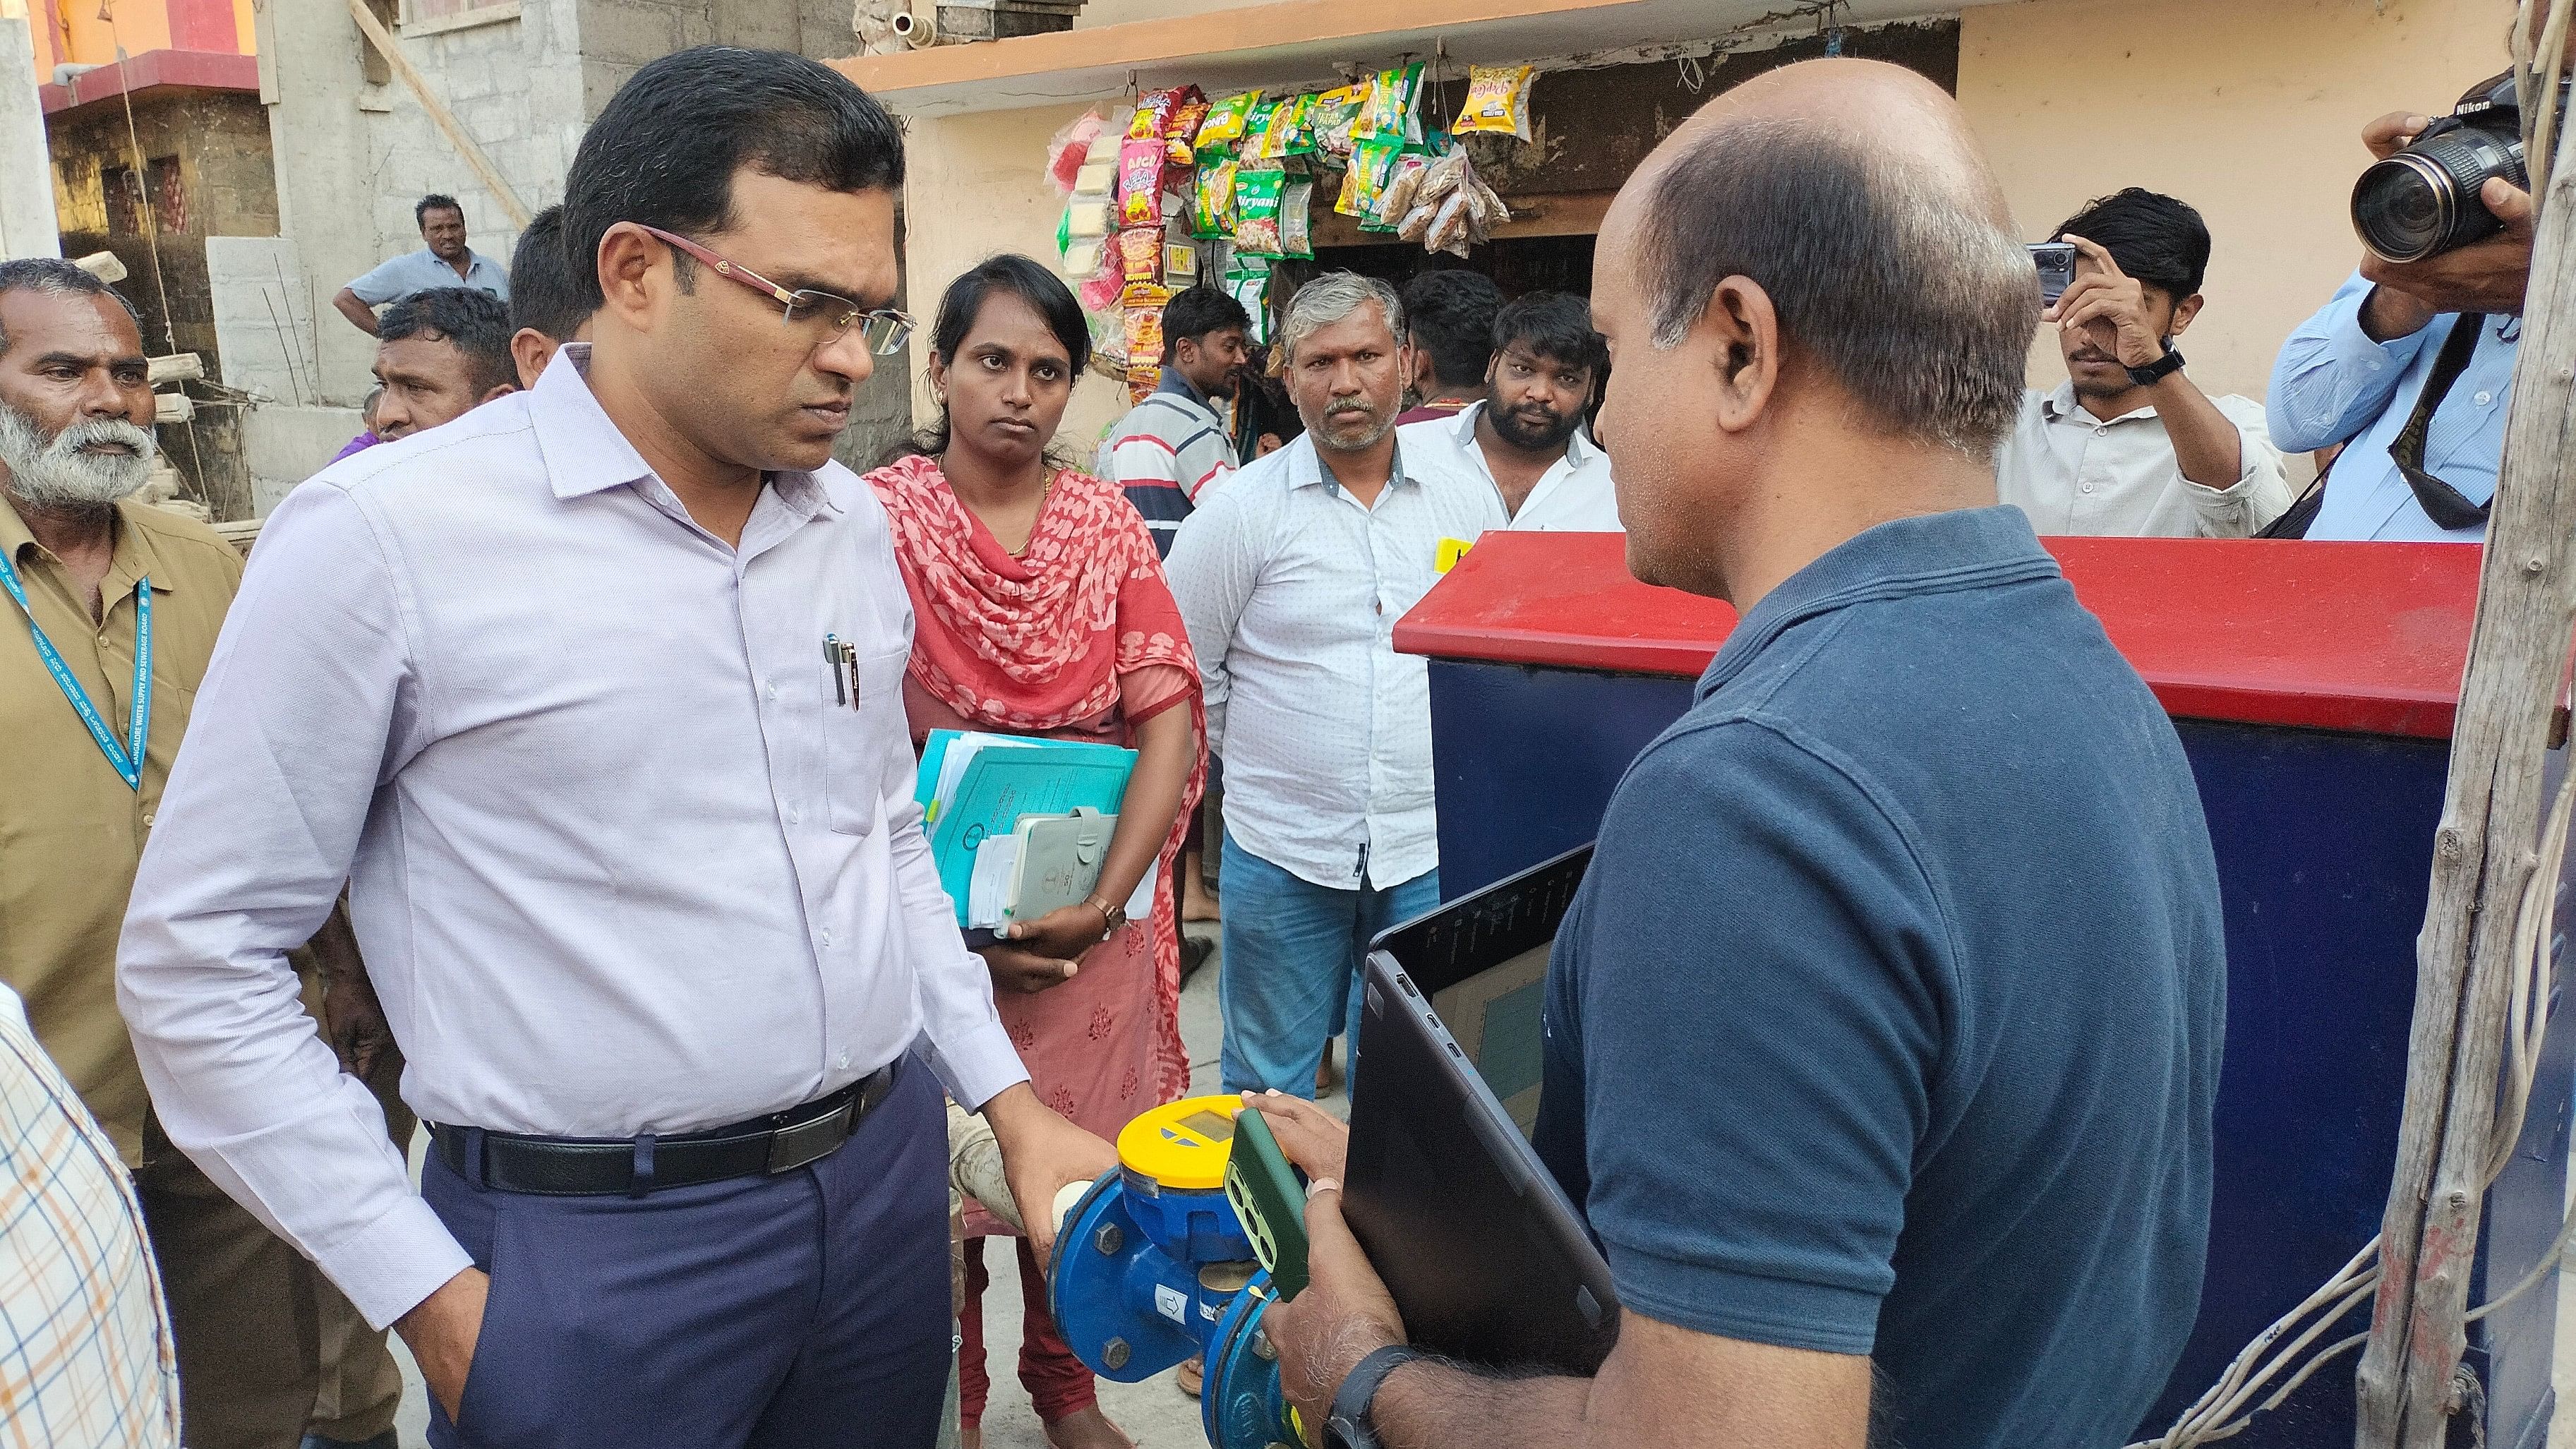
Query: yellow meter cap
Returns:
{"type": "Point", "coordinates": [1183, 1145]}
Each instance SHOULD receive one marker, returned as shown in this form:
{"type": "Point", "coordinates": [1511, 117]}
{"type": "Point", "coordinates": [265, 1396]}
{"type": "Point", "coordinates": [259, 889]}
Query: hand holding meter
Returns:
{"type": "Point", "coordinates": [1270, 1203]}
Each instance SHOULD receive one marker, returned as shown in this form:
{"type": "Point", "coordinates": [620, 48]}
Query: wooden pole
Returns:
{"type": "Point", "coordinates": [2484, 854]}
{"type": "Point", "coordinates": [446, 120]}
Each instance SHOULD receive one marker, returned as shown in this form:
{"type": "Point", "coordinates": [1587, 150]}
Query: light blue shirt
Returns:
{"type": "Point", "coordinates": [419, 271]}
{"type": "Point", "coordinates": [620, 857]}
{"type": "Point", "coordinates": [1291, 588]}
{"type": "Point", "coordinates": [2332, 383]}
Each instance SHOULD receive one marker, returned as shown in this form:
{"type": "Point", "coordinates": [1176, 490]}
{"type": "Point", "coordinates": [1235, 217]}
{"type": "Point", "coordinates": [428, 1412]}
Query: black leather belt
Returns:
{"type": "Point", "coordinates": [632, 1167]}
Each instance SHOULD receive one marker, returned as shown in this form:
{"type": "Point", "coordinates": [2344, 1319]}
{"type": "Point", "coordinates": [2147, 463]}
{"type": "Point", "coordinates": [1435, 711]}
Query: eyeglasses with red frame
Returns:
{"type": "Point", "coordinates": [883, 330]}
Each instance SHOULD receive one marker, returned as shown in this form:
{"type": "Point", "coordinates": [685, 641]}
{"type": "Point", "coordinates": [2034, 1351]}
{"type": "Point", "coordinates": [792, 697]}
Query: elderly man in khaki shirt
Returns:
{"type": "Point", "coordinates": [267, 1348]}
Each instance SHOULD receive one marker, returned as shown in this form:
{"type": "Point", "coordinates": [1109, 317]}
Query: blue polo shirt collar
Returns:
{"type": "Point", "coordinates": [1932, 553]}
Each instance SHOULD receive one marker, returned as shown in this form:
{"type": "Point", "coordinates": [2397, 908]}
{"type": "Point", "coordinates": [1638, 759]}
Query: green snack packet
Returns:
{"type": "Point", "coordinates": [1256, 211]}
{"type": "Point", "coordinates": [1372, 162]}
{"type": "Point", "coordinates": [1248, 282]}
{"type": "Point", "coordinates": [1279, 131]}
{"type": "Point", "coordinates": [1297, 218]}
{"type": "Point", "coordinates": [1333, 115]}
{"type": "Point", "coordinates": [1212, 200]}
{"type": "Point", "coordinates": [1256, 128]}
{"type": "Point", "coordinates": [1391, 104]}
{"type": "Point", "coordinates": [1225, 121]}
{"type": "Point", "coordinates": [1296, 122]}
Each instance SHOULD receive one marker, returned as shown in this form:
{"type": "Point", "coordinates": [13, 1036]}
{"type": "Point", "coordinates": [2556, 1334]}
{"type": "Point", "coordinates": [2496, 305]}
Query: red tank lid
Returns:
{"type": "Point", "coordinates": [2363, 637]}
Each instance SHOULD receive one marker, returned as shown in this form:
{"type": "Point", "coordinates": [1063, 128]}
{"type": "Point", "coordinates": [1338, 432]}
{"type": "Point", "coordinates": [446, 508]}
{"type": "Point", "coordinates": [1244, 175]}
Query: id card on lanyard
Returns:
{"type": "Point", "coordinates": [126, 759]}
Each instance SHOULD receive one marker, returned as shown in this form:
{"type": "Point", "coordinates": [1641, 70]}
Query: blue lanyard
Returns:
{"type": "Point", "coordinates": [127, 759]}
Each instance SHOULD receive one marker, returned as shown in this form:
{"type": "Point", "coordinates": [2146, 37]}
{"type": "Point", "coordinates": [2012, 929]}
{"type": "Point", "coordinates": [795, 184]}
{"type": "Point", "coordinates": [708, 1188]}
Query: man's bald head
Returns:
{"type": "Point", "coordinates": [1854, 195]}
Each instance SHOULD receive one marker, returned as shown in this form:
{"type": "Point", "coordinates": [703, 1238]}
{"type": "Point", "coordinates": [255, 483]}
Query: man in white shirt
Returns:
{"type": "Point", "coordinates": [1291, 578]}
{"type": "Point", "coordinates": [1525, 439]}
{"type": "Point", "coordinates": [610, 748]}
{"type": "Point", "coordinates": [2129, 445]}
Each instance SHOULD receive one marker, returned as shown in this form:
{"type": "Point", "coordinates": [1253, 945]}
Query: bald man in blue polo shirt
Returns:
{"type": "Point", "coordinates": [1882, 1039]}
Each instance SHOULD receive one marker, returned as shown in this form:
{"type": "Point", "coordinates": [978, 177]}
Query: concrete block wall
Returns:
{"type": "Point", "coordinates": [513, 85]}
{"type": "Point", "coordinates": [286, 445]}
{"type": "Point", "coordinates": [263, 307]}
{"type": "Point", "coordinates": [355, 156]}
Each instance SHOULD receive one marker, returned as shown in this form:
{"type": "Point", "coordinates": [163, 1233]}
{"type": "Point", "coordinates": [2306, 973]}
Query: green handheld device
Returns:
{"type": "Point", "coordinates": [1270, 1201]}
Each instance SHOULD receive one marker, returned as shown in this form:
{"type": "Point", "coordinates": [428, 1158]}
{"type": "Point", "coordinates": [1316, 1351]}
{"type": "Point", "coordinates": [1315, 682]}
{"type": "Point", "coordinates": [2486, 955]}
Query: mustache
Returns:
{"type": "Point", "coordinates": [58, 469]}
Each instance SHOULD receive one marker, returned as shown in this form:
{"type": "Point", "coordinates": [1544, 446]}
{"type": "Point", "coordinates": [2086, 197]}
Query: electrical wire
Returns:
{"type": "Point", "coordinates": [2228, 1406]}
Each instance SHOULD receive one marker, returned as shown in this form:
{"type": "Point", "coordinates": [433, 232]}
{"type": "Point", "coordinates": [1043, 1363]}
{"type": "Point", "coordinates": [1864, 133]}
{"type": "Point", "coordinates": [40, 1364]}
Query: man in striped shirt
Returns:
{"type": "Point", "coordinates": [1172, 447]}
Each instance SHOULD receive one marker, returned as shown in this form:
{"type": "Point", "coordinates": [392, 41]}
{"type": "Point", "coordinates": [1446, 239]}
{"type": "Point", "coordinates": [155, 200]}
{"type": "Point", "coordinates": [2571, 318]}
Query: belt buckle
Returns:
{"type": "Point", "coordinates": [792, 1147]}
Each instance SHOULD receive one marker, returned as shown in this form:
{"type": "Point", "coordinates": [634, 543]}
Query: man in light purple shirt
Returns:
{"type": "Point", "coordinates": [611, 749]}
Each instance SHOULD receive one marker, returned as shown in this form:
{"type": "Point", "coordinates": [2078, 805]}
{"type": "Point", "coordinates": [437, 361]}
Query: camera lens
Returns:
{"type": "Point", "coordinates": [2424, 200]}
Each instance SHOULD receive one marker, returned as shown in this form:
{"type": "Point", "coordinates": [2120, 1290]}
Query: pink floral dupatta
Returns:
{"type": "Point", "coordinates": [1042, 642]}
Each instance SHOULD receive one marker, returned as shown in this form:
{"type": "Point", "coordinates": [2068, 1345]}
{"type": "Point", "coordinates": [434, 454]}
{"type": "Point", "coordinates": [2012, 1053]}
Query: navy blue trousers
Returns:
{"type": "Point", "coordinates": [806, 1309]}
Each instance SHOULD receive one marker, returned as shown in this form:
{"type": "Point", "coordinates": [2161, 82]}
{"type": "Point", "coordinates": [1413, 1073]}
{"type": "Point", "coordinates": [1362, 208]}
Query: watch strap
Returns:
{"type": "Point", "coordinates": [2158, 370]}
{"type": "Point", "coordinates": [1350, 1427]}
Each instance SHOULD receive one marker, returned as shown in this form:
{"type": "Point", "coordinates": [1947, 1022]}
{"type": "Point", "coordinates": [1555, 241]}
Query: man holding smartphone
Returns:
{"type": "Point", "coordinates": [2129, 445]}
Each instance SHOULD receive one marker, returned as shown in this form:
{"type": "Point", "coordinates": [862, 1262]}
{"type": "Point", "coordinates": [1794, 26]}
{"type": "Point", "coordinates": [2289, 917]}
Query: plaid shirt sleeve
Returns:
{"type": "Point", "coordinates": [85, 1349]}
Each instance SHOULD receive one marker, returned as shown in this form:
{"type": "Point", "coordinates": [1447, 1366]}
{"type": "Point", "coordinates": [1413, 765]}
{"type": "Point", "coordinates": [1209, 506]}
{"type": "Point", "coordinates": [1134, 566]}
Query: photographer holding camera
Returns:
{"type": "Point", "coordinates": [2412, 362]}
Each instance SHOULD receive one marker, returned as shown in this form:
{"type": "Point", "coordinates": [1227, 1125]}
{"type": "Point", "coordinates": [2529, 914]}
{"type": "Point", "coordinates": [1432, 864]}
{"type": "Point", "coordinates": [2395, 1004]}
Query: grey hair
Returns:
{"type": "Point", "coordinates": [60, 278]}
{"type": "Point", "coordinates": [1897, 281]}
{"type": "Point", "coordinates": [1330, 298]}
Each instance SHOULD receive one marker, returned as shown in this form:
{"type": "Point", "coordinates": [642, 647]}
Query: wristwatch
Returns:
{"type": "Point", "coordinates": [1349, 1426]}
{"type": "Point", "coordinates": [1112, 917]}
{"type": "Point", "coordinates": [2158, 370]}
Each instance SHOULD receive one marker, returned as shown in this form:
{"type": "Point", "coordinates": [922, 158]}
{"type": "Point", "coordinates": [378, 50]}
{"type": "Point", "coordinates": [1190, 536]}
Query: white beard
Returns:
{"type": "Point", "coordinates": [57, 472]}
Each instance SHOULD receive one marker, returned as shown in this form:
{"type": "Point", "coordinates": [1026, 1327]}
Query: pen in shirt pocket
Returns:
{"type": "Point", "coordinates": [850, 659]}
{"type": "Point", "coordinates": [832, 648]}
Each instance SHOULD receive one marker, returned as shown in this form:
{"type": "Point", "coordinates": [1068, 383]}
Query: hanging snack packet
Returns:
{"type": "Point", "coordinates": [1256, 210]}
{"type": "Point", "coordinates": [1248, 282]}
{"type": "Point", "coordinates": [1140, 182]}
{"type": "Point", "coordinates": [1372, 164]}
{"type": "Point", "coordinates": [1224, 124]}
{"type": "Point", "coordinates": [1276, 127]}
{"type": "Point", "coordinates": [1389, 112]}
{"type": "Point", "coordinates": [1154, 112]}
{"type": "Point", "coordinates": [1498, 100]}
{"type": "Point", "coordinates": [1180, 264]}
{"type": "Point", "coordinates": [1143, 328]}
{"type": "Point", "coordinates": [1256, 127]}
{"type": "Point", "coordinates": [1212, 200]}
{"type": "Point", "coordinates": [1333, 115]}
{"type": "Point", "coordinates": [1178, 146]}
{"type": "Point", "coordinates": [1296, 218]}
{"type": "Point", "coordinates": [1397, 198]}
{"type": "Point", "coordinates": [1140, 255]}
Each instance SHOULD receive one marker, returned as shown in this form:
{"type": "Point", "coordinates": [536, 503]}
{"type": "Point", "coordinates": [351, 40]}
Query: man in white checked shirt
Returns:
{"type": "Point", "coordinates": [85, 1349]}
{"type": "Point", "coordinates": [1291, 578]}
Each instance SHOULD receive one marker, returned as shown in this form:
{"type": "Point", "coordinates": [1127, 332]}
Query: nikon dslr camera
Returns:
{"type": "Point", "coordinates": [2423, 201]}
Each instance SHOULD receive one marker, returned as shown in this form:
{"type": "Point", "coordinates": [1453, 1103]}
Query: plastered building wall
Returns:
{"type": "Point", "coordinates": [975, 187]}
{"type": "Point", "coordinates": [2252, 112]}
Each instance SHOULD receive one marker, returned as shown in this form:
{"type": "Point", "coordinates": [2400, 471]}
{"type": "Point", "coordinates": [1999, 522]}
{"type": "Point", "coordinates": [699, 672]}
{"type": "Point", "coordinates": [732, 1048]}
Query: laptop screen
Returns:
{"type": "Point", "coordinates": [1483, 959]}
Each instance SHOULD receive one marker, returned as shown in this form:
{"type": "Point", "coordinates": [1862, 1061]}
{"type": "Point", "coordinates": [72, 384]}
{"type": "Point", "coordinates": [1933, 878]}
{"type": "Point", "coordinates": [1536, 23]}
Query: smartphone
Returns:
{"type": "Point", "coordinates": [2056, 263]}
{"type": "Point", "coordinates": [1270, 1201]}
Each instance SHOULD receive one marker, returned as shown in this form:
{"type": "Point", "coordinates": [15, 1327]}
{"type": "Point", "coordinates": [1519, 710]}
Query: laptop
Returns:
{"type": "Point", "coordinates": [1486, 1259]}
